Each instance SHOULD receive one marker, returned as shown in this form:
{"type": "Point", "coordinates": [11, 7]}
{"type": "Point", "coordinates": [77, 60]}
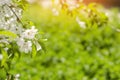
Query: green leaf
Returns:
{"type": "Point", "coordinates": [34, 51]}
{"type": "Point", "coordinates": [42, 44]}
{"type": "Point", "coordinates": [5, 56]}
{"type": "Point", "coordinates": [8, 34]}
{"type": "Point", "coordinates": [2, 74]}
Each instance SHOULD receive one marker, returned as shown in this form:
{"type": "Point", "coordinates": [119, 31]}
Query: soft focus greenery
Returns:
{"type": "Point", "coordinates": [72, 53]}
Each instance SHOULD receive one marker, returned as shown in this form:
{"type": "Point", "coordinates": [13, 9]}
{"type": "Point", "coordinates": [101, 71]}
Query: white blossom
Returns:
{"type": "Point", "coordinates": [38, 46]}
{"type": "Point", "coordinates": [18, 11]}
{"type": "Point", "coordinates": [81, 23]}
{"type": "Point", "coordinates": [4, 41]}
{"type": "Point", "coordinates": [119, 15]}
{"type": "Point", "coordinates": [8, 19]}
{"type": "Point", "coordinates": [109, 14]}
{"type": "Point", "coordinates": [20, 41]}
{"type": "Point", "coordinates": [1, 57]}
{"type": "Point", "coordinates": [6, 49]}
{"type": "Point", "coordinates": [55, 12]}
{"type": "Point", "coordinates": [17, 76]}
{"type": "Point", "coordinates": [24, 46]}
{"type": "Point", "coordinates": [72, 4]}
{"type": "Point", "coordinates": [30, 33]}
{"type": "Point", "coordinates": [31, 1]}
{"type": "Point", "coordinates": [2, 2]}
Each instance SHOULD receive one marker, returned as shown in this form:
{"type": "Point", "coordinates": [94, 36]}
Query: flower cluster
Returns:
{"type": "Point", "coordinates": [15, 37]}
{"type": "Point", "coordinates": [2, 2]}
{"type": "Point", "coordinates": [24, 41]}
{"type": "Point", "coordinates": [10, 21]}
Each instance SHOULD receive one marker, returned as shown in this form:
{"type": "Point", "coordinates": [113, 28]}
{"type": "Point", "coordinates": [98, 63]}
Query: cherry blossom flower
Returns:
{"type": "Point", "coordinates": [30, 33]}
{"type": "Point", "coordinates": [2, 2]}
{"type": "Point", "coordinates": [24, 46]}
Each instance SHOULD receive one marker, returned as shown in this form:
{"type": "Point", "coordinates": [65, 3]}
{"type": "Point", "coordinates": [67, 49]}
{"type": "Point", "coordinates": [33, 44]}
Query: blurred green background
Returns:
{"type": "Point", "coordinates": [72, 52]}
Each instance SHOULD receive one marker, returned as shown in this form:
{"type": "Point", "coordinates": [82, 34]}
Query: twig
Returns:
{"type": "Point", "coordinates": [15, 15]}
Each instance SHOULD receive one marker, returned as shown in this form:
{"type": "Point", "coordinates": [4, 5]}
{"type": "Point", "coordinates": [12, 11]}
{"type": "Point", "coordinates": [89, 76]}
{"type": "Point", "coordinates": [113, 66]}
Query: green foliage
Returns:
{"type": "Point", "coordinates": [8, 34]}
{"type": "Point", "coordinates": [2, 74]}
{"type": "Point", "coordinates": [34, 52]}
{"type": "Point", "coordinates": [21, 3]}
{"type": "Point", "coordinates": [73, 53]}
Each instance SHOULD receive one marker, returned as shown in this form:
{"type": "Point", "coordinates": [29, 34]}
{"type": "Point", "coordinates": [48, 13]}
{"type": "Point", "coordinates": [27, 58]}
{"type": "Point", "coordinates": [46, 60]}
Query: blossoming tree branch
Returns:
{"type": "Point", "coordinates": [15, 37]}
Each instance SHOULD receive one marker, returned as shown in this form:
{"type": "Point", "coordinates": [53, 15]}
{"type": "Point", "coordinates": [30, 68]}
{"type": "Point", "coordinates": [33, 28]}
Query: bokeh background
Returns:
{"type": "Point", "coordinates": [80, 46]}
